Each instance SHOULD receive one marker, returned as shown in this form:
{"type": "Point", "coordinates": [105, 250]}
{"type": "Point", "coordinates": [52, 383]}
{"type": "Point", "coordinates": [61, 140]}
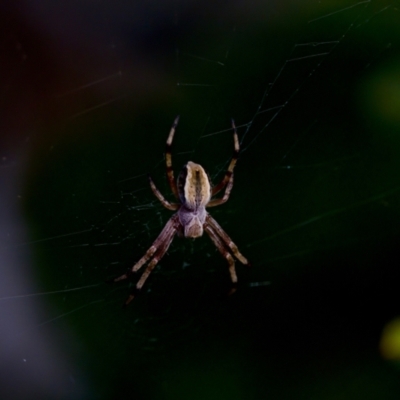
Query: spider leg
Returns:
{"type": "Point", "coordinates": [157, 257]}
{"type": "Point", "coordinates": [225, 197]}
{"type": "Point", "coordinates": [157, 193]}
{"type": "Point", "coordinates": [168, 159]}
{"type": "Point", "coordinates": [232, 164]}
{"type": "Point", "coordinates": [216, 227]}
{"type": "Point", "coordinates": [225, 253]}
{"type": "Point", "coordinates": [166, 235]}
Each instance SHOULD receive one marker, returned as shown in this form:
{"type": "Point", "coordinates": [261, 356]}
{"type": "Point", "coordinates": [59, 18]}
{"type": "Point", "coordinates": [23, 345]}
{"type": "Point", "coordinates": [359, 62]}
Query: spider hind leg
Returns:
{"type": "Point", "coordinates": [154, 254]}
{"type": "Point", "coordinates": [225, 253]}
{"type": "Point", "coordinates": [159, 254]}
{"type": "Point", "coordinates": [225, 239]}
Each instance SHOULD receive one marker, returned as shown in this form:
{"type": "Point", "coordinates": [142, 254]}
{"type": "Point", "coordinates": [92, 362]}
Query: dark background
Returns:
{"type": "Point", "coordinates": [89, 91]}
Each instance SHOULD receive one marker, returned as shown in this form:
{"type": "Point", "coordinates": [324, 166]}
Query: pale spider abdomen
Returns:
{"type": "Point", "coordinates": [193, 186]}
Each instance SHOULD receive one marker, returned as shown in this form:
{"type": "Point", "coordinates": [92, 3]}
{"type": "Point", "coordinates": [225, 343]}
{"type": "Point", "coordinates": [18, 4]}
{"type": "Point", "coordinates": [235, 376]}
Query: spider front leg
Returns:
{"type": "Point", "coordinates": [232, 164]}
{"type": "Point", "coordinates": [225, 197]}
{"type": "Point", "coordinates": [168, 159]}
{"type": "Point", "coordinates": [157, 193]}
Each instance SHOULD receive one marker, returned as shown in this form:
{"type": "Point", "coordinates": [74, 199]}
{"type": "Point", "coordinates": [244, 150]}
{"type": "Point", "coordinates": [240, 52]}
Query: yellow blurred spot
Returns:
{"type": "Point", "coordinates": [387, 96]}
{"type": "Point", "coordinates": [390, 340]}
{"type": "Point", "coordinates": [379, 94]}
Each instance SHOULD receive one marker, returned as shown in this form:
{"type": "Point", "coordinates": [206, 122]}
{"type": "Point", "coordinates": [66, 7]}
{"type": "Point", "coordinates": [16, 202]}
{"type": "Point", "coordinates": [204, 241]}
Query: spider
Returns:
{"type": "Point", "coordinates": [194, 193]}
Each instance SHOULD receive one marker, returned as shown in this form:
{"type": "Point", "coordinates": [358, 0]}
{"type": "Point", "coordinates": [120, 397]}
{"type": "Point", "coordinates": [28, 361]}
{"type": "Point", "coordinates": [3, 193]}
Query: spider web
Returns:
{"type": "Point", "coordinates": [313, 89]}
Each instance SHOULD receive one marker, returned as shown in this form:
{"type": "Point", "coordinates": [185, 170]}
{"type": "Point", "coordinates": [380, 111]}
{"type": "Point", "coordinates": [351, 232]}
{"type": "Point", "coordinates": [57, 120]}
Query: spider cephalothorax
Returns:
{"type": "Point", "coordinates": [194, 192]}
